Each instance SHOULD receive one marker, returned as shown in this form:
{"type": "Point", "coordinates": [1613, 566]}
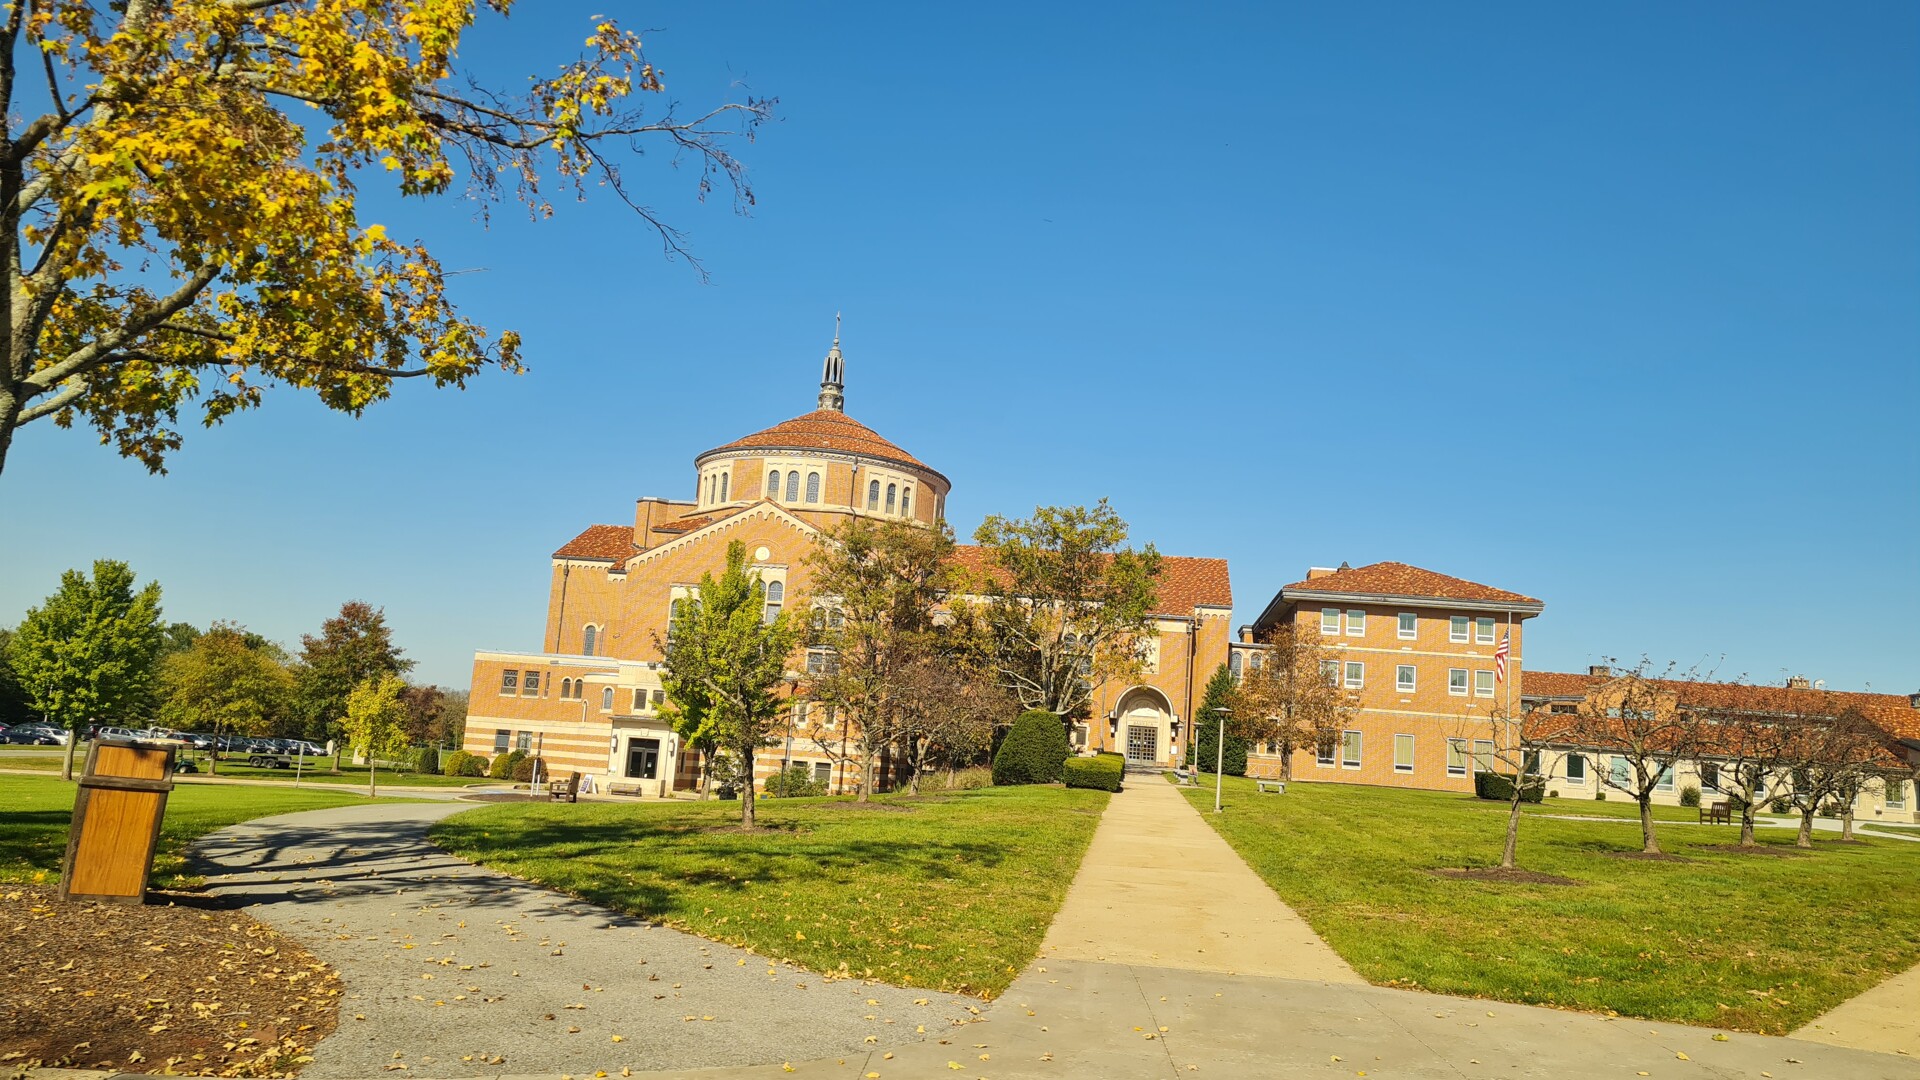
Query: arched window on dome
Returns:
{"type": "Point", "coordinates": [776, 595]}
{"type": "Point", "coordinates": [906, 502]}
{"type": "Point", "coordinates": [773, 484]}
{"type": "Point", "coordinates": [724, 478]}
{"type": "Point", "coordinates": [892, 491]}
{"type": "Point", "coordinates": [793, 486]}
{"type": "Point", "coordinates": [588, 639]}
{"type": "Point", "coordinates": [873, 494]}
{"type": "Point", "coordinates": [813, 487]}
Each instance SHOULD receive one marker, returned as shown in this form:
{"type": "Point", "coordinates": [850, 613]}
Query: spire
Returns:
{"type": "Point", "coordinates": [833, 375]}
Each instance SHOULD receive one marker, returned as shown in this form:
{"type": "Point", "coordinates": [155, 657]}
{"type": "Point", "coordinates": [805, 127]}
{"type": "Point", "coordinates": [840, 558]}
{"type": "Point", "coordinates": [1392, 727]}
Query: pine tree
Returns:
{"type": "Point", "coordinates": [1218, 695]}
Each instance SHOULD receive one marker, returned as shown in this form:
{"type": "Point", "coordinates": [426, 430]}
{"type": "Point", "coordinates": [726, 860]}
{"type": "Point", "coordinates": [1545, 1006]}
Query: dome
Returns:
{"type": "Point", "coordinates": [825, 430]}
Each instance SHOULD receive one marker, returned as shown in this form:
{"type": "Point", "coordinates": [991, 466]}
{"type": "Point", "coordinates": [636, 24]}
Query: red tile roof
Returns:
{"type": "Point", "coordinates": [686, 525]}
{"type": "Point", "coordinates": [825, 429]}
{"type": "Point", "coordinates": [1556, 684]}
{"type": "Point", "coordinates": [1185, 583]}
{"type": "Point", "coordinates": [614, 542]}
{"type": "Point", "coordinates": [1892, 713]}
{"type": "Point", "coordinates": [1399, 579]}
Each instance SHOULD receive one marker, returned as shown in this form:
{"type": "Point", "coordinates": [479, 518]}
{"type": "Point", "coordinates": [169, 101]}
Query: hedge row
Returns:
{"type": "Point", "coordinates": [1102, 772]}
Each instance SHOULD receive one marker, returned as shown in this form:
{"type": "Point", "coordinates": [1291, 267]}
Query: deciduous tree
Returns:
{"type": "Point", "coordinates": [87, 653]}
{"type": "Point", "coordinates": [182, 225]}
{"type": "Point", "coordinates": [1287, 700]}
{"type": "Point", "coordinates": [352, 647]}
{"type": "Point", "coordinates": [725, 658]}
{"type": "Point", "coordinates": [15, 708]}
{"type": "Point", "coordinates": [227, 681]}
{"type": "Point", "coordinates": [1067, 603]}
{"type": "Point", "coordinates": [1636, 721]}
{"type": "Point", "coordinates": [375, 723]}
{"type": "Point", "coordinates": [1829, 759]}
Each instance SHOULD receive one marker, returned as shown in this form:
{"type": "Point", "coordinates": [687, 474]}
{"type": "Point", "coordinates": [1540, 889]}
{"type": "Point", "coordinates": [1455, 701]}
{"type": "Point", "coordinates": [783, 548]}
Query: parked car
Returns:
{"type": "Point", "coordinates": [110, 732]}
{"type": "Point", "coordinates": [36, 735]}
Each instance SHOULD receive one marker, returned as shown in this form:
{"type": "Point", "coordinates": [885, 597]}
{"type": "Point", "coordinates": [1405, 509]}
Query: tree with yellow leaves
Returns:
{"type": "Point", "coordinates": [175, 239]}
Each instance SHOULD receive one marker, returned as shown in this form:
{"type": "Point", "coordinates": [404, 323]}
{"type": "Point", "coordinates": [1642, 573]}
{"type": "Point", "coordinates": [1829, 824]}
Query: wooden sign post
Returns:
{"type": "Point", "coordinates": [116, 822]}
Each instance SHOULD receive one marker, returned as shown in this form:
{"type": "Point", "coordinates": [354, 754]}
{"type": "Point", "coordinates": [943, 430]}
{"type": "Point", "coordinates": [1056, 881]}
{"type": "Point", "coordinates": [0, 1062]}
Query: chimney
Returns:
{"type": "Point", "coordinates": [1599, 670]}
{"type": "Point", "coordinates": [1913, 700]}
{"type": "Point", "coordinates": [1799, 682]}
{"type": "Point", "coordinates": [1318, 572]}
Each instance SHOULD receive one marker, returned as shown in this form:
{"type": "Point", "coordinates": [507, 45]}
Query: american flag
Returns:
{"type": "Point", "coordinates": [1500, 657]}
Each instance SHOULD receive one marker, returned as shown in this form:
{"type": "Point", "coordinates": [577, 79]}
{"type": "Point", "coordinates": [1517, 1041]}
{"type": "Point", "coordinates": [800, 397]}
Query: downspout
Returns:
{"type": "Point", "coordinates": [1193, 645]}
{"type": "Point", "coordinates": [560, 619]}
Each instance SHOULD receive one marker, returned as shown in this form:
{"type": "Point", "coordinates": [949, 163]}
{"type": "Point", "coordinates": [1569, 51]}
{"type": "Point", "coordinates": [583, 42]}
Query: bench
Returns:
{"type": "Point", "coordinates": [1720, 813]}
{"type": "Point", "coordinates": [568, 789]}
{"type": "Point", "coordinates": [1278, 787]}
{"type": "Point", "coordinates": [624, 789]}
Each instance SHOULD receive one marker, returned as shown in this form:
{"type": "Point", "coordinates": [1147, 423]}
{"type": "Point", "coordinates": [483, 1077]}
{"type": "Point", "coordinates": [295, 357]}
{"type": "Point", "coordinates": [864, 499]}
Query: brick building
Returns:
{"type": "Point", "coordinates": [591, 699]}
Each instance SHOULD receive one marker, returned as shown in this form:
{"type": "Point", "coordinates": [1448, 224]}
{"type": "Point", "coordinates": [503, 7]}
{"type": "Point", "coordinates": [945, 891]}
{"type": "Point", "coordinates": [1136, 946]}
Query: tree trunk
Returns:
{"type": "Point", "coordinates": [66, 764]}
{"type": "Point", "coordinates": [1805, 839]}
{"type": "Point", "coordinates": [746, 800]}
{"type": "Point", "coordinates": [1649, 844]}
{"type": "Point", "coordinates": [372, 792]}
{"type": "Point", "coordinates": [1286, 762]}
{"type": "Point", "coordinates": [10, 406]}
{"type": "Point", "coordinates": [1509, 856]}
{"type": "Point", "coordinates": [1746, 826]}
{"type": "Point", "coordinates": [1846, 823]}
{"type": "Point", "coordinates": [867, 758]}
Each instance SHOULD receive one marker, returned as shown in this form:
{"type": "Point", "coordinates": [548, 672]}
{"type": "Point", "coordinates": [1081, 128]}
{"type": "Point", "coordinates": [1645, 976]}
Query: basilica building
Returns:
{"type": "Point", "coordinates": [591, 699]}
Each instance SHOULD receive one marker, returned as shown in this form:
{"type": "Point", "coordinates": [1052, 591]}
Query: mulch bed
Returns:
{"type": "Point", "coordinates": [165, 987]}
{"type": "Point", "coordinates": [1774, 850]}
{"type": "Point", "coordinates": [1502, 876]}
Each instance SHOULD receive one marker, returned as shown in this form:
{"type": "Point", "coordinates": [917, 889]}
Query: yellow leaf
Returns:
{"type": "Point", "coordinates": [1682, 1055]}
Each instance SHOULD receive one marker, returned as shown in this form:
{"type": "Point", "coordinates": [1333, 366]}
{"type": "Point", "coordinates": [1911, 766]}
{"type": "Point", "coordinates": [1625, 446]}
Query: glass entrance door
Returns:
{"type": "Point", "coordinates": [1143, 744]}
{"type": "Point", "coordinates": [643, 759]}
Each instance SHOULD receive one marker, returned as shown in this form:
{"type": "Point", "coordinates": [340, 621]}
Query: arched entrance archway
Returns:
{"type": "Point", "coordinates": [1143, 727]}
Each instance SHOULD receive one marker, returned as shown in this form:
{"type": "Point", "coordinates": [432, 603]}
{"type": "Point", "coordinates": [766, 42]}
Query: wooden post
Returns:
{"type": "Point", "coordinates": [116, 822]}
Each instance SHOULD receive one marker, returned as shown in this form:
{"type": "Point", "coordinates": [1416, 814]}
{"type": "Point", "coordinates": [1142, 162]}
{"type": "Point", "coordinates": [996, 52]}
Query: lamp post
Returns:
{"type": "Point", "coordinates": [1219, 755]}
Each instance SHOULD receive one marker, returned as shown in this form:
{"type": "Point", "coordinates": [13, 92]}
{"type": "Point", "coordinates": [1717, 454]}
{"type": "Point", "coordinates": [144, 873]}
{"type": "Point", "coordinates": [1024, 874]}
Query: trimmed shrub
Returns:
{"type": "Point", "coordinates": [1600, 796]}
{"type": "Point", "coordinates": [1553, 794]}
{"type": "Point", "coordinates": [1690, 796]}
{"type": "Point", "coordinates": [1102, 772]}
{"type": "Point", "coordinates": [1782, 805]}
{"type": "Point", "coordinates": [796, 782]}
{"type": "Point", "coordinates": [503, 766]}
{"type": "Point", "coordinates": [424, 760]}
{"type": "Point", "coordinates": [963, 780]}
{"type": "Point", "coordinates": [1033, 751]}
{"type": "Point", "coordinates": [523, 768]}
{"type": "Point", "coordinates": [474, 765]}
{"type": "Point", "coordinates": [454, 762]}
{"type": "Point", "coordinates": [1499, 787]}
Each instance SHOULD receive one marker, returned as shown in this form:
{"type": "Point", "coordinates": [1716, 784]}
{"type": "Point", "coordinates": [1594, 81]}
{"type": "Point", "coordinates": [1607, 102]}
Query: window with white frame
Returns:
{"type": "Point", "coordinates": [906, 502]}
{"type": "Point", "coordinates": [1356, 675]}
{"type": "Point", "coordinates": [1664, 782]}
{"type": "Point", "coordinates": [1323, 753]}
{"type": "Point", "coordinates": [500, 737]}
{"type": "Point", "coordinates": [1577, 768]}
{"type": "Point", "coordinates": [1330, 620]}
{"type": "Point", "coordinates": [1482, 755]}
{"type": "Point", "coordinates": [639, 700]}
{"type": "Point", "coordinates": [725, 479]}
{"type": "Point", "coordinates": [893, 491]}
{"type": "Point", "coordinates": [1330, 670]}
{"type": "Point", "coordinates": [1409, 626]}
{"type": "Point", "coordinates": [1349, 749]}
{"type": "Point", "coordinates": [873, 494]}
{"type": "Point", "coordinates": [813, 487]}
{"type": "Point", "coordinates": [1710, 776]}
{"type": "Point", "coordinates": [1457, 681]}
{"type": "Point", "coordinates": [1356, 622]}
{"type": "Point", "coordinates": [509, 682]}
{"type": "Point", "coordinates": [1403, 753]}
{"type": "Point", "coordinates": [1456, 757]}
{"type": "Point", "coordinates": [822, 772]}
{"type": "Point", "coordinates": [659, 698]}
{"type": "Point", "coordinates": [1619, 773]}
{"type": "Point", "coordinates": [1483, 630]}
{"type": "Point", "coordinates": [1457, 628]}
{"type": "Point", "coordinates": [523, 741]}
{"type": "Point", "coordinates": [776, 595]}
{"type": "Point", "coordinates": [1234, 660]}
{"type": "Point", "coordinates": [1403, 678]}
{"type": "Point", "coordinates": [1896, 794]}
{"type": "Point", "coordinates": [1483, 684]}
{"type": "Point", "coordinates": [530, 684]}
{"type": "Point", "coordinates": [793, 485]}
{"type": "Point", "coordinates": [773, 484]}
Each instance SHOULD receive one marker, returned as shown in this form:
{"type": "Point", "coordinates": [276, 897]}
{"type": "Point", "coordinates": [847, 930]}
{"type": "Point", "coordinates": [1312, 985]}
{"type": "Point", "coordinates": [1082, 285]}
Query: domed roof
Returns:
{"type": "Point", "coordinates": [825, 429]}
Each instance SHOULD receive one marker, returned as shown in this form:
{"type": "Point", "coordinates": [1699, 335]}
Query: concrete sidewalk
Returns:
{"type": "Point", "coordinates": [1885, 1018]}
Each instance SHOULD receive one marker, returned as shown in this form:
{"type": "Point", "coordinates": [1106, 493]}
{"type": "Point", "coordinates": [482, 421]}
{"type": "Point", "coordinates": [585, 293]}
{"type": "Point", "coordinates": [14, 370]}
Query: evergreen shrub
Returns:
{"type": "Point", "coordinates": [1033, 751]}
{"type": "Point", "coordinates": [1102, 772]}
{"type": "Point", "coordinates": [425, 760]}
{"type": "Point", "coordinates": [1690, 796]}
{"type": "Point", "coordinates": [523, 768]}
{"type": "Point", "coordinates": [796, 782]}
{"type": "Point", "coordinates": [503, 765]}
{"type": "Point", "coordinates": [1499, 787]}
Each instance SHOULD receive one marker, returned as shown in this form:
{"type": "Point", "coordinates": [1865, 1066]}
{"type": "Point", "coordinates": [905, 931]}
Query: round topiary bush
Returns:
{"type": "Point", "coordinates": [1033, 751]}
{"type": "Point", "coordinates": [503, 766]}
{"type": "Point", "coordinates": [523, 769]}
{"type": "Point", "coordinates": [453, 763]}
{"type": "Point", "coordinates": [426, 760]}
{"type": "Point", "coordinates": [473, 765]}
{"type": "Point", "coordinates": [1690, 796]}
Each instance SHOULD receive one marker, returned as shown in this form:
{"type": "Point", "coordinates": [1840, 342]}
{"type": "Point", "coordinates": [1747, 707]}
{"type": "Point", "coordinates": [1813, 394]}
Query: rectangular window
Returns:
{"type": "Point", "coordinates": [500, 737]}
{"type": "Point", "coordinates": [1457, 628]}
{"type": "Point", "coordinates": [1356, 675]}
{"type": "Point", "coordinates": [523, 741]}
{"type": "Point", "coordinates": [1709, 776]}
{"type": "Point", "coordinates": [1403, 753]}
{"type": "Point", "coordinates": [659, 698]}
{"type": "Point", "coordinates": [1620, 775]}
{"type": "Point", "coordinates": [509, 683]}
{"type": "Point", "coordinates": [1331, 670]}
{"type": "Point", "coordinates": [1457, 681]}
{"type": "Point", "coordinates": [1409, 625]}
{"type": "Point", "coordinates": [1664, 782]}
{"type": "Point", "coordinates": [1483, 684]}
{"type": "Point", "coordinates": [1530, 763]}
{"type": "Point", "coordinates": [1483, 630]}
{"type": "Point", "coordinates": [1350, 749]}
{"type": "Point", "coordinates": [1330, 620]}
{"type": "Point", "coordinates": [639, 700]}
{"type": "Point", "coordinates": [1323, 754]}
{"type": "Point", "coordinates": [1482, 755]}
{"type": "Point", "coordinates": [1896, 794]}
{"type": "Point", "coordinates": [822, 772]}
{"type": "Point", "coordinates": [1403, 678]}
{"type": "Point", "coordinates": [530, 685]}
{"type": "Point", "coordinates": [1577, 767]}
{"type": "Point", "coordinates": [1356, 623]}
{"type": "Point", "coordinates": [1456, 757]}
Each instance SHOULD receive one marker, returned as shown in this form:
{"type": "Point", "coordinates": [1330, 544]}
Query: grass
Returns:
{"type": "Point", "coordinates": [315, 772]}
{"type": "Point", "coordinates": [33, 827]}
{"type": "Point", "coordinates": [1616, 805]}
{"type": "Point", "coordinates": [1726, 939]}
{"type": "Point", "coordinates": [951, 892]}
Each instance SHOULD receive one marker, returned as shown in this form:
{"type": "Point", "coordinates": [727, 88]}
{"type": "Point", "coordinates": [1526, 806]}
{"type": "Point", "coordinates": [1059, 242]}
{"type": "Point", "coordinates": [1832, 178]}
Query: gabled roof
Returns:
{"type": "Point", "coordinates": [609, 542]}
{"type": "Point", "coordinates": [1185, 583]}
{"type": "Point", "coordinates": [1400, 580]}
{"type": "Point", "coordinates": [825, 429]}
{"type": "Point", "coordinates": [1892, 713]}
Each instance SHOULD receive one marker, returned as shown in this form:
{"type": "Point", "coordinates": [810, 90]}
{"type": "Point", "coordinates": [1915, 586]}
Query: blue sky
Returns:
{"type": "Point", "coordinates": [1618, 307]}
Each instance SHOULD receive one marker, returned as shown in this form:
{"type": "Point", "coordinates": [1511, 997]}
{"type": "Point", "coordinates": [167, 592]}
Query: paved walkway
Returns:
{"type": "Point", "coordinates": [454, 970]}
{"type": "Point", "coordinates": [1885, 1018]}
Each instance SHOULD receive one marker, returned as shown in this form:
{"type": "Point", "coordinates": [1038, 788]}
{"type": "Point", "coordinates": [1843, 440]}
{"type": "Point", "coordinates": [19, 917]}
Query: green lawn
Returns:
{"type": "Point", "coordinates": [314, 772]}
{"type": "Point", "coordinates": [33, 825]}
{"type": "Point", "coordinates": [951, 892]}
{"type": "Point", "coordinates": [1731, 940]}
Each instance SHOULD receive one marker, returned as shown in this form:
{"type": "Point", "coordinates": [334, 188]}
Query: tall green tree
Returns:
{"type": "Point", "coordinates": [15, 708]}
{"type": "Point", "coordinates": [1067, 604]}
{"type": "Point", "coordinates": [875, 587]}
{"type": "Point", "coordinates": [726, 655]}
{"type": "Point", "coordinates": [375, 723]}
{"type": "Point", "coordinates": [228, 680]}
{"type": "Point", "coordinates": [87, 653]}
{"type": "Point", "coordinates": [181, 186]}
{"type": "Point", "coordinates": [352, 647]}
{"type": "Point", "coordinates": [1207, 723]}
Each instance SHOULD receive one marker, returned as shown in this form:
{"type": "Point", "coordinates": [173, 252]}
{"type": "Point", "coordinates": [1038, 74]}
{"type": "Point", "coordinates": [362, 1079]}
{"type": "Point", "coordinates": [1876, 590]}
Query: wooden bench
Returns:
{"type": "Point", "coordinates": [1278, 787]}
{"type": "Point", "coordinates": [568, 789]}
{"type": "Point", "coordinates": [624, 789]}
{"type": "Point", "coordinates": [1720, 813]}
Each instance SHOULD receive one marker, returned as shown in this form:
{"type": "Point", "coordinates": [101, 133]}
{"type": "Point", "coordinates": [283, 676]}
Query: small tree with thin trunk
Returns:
{"type": "Point", "coordinates": [725, 657]}
{"type": "Point", "coordinates": [1829, 760]}
{"type": "Point", "coordinates": [948, 710]}
{"type": "Point", "coordinates": [1636, 721]}
{"type": "Point", "coordinates": [87, 653]}
{"type": "Point", "coordinates": [1745, 732]}
{"type": "Point", "coordinates": [375, 723]}
{"type": "Point", "coordinates": [1527, 745]}
{"type": "Point", "coordinates": [1286, 699]}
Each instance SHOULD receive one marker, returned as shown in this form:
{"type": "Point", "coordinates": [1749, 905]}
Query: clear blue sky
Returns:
{"type": "Point", "coordinates": [1616, 306]}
